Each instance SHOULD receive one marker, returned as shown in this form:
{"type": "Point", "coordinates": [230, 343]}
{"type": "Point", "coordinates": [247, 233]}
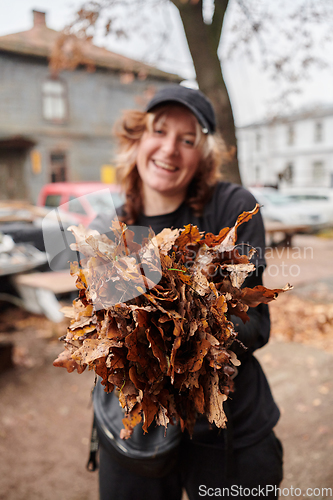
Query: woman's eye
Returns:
{"type": "Point", "coordinates": [158, 131]}
{"type": "Point", "coordinates": [188, 142]}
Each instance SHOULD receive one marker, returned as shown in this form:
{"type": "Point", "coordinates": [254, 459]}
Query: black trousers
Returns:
{"type": "Point", "coordinates": [256, 473]}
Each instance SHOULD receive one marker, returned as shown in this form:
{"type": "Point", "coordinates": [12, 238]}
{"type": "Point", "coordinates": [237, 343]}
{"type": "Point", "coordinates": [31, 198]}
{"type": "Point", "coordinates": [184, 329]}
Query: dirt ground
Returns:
{"type": "Point", "coordinates": [46, 413]}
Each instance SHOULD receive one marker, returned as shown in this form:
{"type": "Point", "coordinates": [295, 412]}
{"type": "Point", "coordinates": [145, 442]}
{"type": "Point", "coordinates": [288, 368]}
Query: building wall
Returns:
{"type": "Point", "coordinates": [289, 154]}
{"type": "Point", "coordinates": [255, 158]}
{"type": "Point", "coordinates": [95, 101]}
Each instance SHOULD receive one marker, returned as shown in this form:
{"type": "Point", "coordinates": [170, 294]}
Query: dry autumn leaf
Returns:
{"type": "Point", "coordinates": [164, 345]}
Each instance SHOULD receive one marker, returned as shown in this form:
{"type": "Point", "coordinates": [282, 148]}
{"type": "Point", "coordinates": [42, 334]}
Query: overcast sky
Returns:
{"type": "Point", "coordinates": [250, 90]}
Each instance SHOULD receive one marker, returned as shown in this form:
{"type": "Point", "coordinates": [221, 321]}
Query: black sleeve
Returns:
{"type": "Point", "coordinates": [254, 333]}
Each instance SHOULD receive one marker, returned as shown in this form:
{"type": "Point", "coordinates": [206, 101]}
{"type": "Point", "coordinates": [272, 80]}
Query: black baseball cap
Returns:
{"type": "Point", "coordinates": [193, 99]}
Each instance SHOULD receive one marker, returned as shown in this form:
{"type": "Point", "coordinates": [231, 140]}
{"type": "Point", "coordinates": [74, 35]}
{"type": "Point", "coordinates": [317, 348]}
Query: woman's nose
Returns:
{"type": "Point", "coordinates": [170, 145]}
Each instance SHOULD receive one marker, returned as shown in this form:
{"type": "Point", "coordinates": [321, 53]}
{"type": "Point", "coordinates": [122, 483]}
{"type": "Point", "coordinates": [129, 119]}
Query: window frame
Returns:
{"type": "Point", "coordinates": [63, 96]}
{"type": "Point", "coordinates": [258, 141]}
{"type": "Point", "coordinates": [318, 131]}
{"type": "Point", "coordinates": [289, 173]}
{"type": "Point", "coordinates": [291, 134]}
{"type": "Point", "coordinates": [318, 172]}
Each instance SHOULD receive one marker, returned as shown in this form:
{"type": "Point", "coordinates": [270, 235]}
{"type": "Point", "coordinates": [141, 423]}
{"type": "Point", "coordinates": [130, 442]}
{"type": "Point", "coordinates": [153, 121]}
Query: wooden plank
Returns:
{"type": "Point", "coordinates": [56, 281]}
{"type": "Point", "coordinates": [286, 232]}
{"type": "Point", "coordinates": [277, 227]}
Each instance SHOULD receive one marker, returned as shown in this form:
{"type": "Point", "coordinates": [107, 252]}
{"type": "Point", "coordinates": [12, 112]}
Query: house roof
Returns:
{"type": "Point", "coordinates": [311, 112]}
{"type": "Point", "coordinates": [40, 40]}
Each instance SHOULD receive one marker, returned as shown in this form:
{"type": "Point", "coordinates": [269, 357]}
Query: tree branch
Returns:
{"type": "Point", "coordinates": [217, 21]}
{"type": "Point", "coordinates": [181, 5]}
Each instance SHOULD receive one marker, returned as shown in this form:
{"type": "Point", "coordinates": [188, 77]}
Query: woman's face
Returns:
{"type": "Point", "coordinates": [167, 157]}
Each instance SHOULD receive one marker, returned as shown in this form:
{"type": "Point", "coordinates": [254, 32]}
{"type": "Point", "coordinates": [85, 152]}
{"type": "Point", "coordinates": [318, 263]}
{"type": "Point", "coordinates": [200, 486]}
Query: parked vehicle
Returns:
{"type": "Point", "coordinates": [320, 198]}
{"type": "Point", "coordinates": [16, 258]}
{"type": "Point", "coordinates": [21, 221]}
{"type": "Point", "coordinates": [81, 201]}
{"type": "Point", "coordinates": [290, 210]}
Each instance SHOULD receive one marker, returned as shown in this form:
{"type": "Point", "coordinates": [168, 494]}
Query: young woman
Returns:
{"type": "Point", "coordinates": [169, 159]}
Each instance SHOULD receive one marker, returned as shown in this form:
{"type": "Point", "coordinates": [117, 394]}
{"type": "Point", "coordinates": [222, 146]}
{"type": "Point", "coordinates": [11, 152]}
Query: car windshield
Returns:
{"type": "Point", "coordinates": [277, 198]}
{"type": "Point", "coordinates": [102, 200]}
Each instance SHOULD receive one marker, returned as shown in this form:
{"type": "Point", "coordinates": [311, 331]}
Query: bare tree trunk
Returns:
{"type": "Point", "coordinates": [203, 41]}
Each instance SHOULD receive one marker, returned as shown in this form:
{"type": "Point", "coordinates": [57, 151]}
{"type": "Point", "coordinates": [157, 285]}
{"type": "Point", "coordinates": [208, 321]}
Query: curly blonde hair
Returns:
{"type": "Point", "coordinates": [129, 131]}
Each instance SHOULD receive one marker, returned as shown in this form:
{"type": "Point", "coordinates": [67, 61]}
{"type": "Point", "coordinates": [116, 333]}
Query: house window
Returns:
{"type": "Point", "coordinates": [257, 174]}
{"type": "Point", "coordinates": [288, 174]}
{"type": "Point", "coordinates": [318, 172]}
{"type": "Point", "coordinates": [58, 167]}
{"type": "Point", "coordinates": [54, 100]}
{"type": "Point", "coordinates": [318, 132]}
{"type": "Point", "coordinates": [258, 141]}
{"type": "Point", "coordinates": [291, 135]}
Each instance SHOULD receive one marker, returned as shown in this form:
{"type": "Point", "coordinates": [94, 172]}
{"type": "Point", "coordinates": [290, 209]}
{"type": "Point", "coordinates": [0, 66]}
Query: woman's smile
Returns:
{"type": "Point", "coordinates": [165, 166]}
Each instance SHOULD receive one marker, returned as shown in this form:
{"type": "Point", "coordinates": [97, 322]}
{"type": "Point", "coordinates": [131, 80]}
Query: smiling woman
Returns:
{"type": "Point", "coordinates": [168, 164]}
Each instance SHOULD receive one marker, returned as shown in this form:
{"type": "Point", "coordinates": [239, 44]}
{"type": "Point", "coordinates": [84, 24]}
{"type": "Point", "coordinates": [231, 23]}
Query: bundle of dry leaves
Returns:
{"type": "Point", "coordinates": [165, 346]}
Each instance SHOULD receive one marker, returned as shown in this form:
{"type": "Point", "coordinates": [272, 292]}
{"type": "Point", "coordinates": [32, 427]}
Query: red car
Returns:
{"type": "Point", "coordinates": [82, 201]}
